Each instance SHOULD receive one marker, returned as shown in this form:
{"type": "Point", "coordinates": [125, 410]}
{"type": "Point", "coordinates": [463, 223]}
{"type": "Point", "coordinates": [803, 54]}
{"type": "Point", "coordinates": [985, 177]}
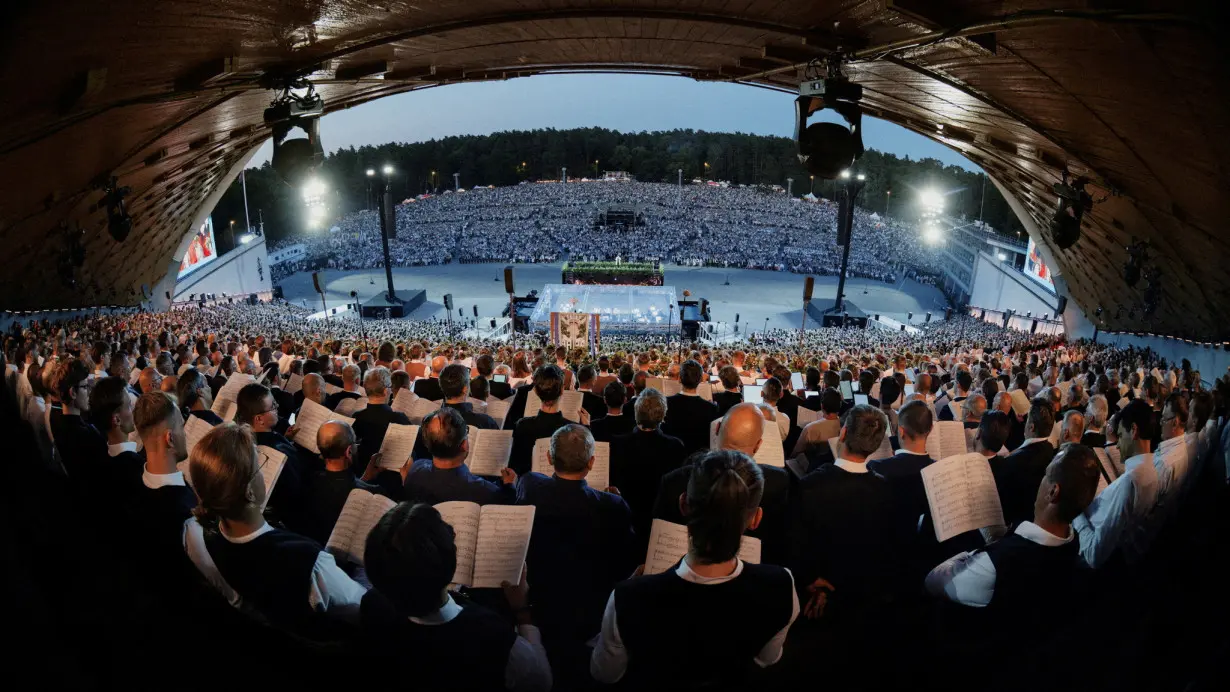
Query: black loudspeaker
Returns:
{"type": "Point", "coordinates": [168, 295]}
{"type": "Point", "coordinates": [1061, 306]}
{"type": "Point", "coordinates": [877, 317]}
{"type": "Point", "coordinates": [508, 280]}
{"type": "Point", "coordinates": [736, 321]}
{"type": "Point", "coordinates": [903, 327]}
{"type": "Point", "coordinates": [808, 285]}
{"type": "Point", "coordinates": [736, 327]}
{"type": "Point", "coordinates": [316, 281]}
{"type": "Point", "coordinates": [448, 301]}
{"type": "Point", "coordinates": [710, 329]}
{"type": "Point", "coordinates": [476, 311]}
{"type": "Point", "coordinates": [461, 312]}
{"type": "Point", "coordinates": [493, 323]}
{"type": "Point", "coordinates": [928, 317]}
{"type": "Point", "coordinates": [909, 316]}
{"type": "Point", "coordinates": [1033, 327]}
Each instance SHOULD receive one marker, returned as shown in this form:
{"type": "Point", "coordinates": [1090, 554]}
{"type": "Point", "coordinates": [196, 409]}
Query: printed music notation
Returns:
{"type": "Point", "coordinates": [962, 495]}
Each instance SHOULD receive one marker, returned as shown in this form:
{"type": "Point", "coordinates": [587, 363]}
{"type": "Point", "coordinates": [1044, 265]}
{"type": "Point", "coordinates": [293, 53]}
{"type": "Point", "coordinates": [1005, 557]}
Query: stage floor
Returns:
{"type": "Point", "coordinates": [645, 307]}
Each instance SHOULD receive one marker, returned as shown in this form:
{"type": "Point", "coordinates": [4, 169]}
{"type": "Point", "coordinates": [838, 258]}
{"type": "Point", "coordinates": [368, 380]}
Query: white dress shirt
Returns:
{"type": "Point", "coordinates": [853, 466]}
{"type": "Point", "coordinates": [154, 481]}
{"type": "Point", "coordinates": [610, 659]}
{"type": "Point", "coordinates": [527, 667]}
{"type": "Point", "coordinates": [969, 578]}
{"type": "Point", "coordinates": [332, 590]}
{"type": "Point", "coordinates": [1171, 461]}
{"type": "Point", "coordinates": [1121, 516]}
{"type": "Point", "coordinates": [118, 449]}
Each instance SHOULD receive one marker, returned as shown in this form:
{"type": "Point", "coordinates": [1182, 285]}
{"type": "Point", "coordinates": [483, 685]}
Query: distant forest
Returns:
{"type": "Point", "coordinates": [507, 158]}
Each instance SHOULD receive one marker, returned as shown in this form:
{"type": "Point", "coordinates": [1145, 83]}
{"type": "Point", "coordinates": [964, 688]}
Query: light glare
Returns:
{"type": "Point", "coordinates": [388, 169]}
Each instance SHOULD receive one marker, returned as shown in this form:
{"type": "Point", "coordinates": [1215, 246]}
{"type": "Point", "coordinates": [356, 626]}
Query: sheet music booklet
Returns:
{"type": "Point", "coordinates": [311, 416]}
{"type": "Point", "coordinates": [359, 516]}
{"type": "Point", "coordinates": [668, 543]}
{"type": "Point", "coordinates": [489, 451]}
{"type": "Point", "coordinates": [962, 495]}
{"type": "Point", "coordinates": [947, 439]}
{"type": "Point", "coordinates": [491, 541]}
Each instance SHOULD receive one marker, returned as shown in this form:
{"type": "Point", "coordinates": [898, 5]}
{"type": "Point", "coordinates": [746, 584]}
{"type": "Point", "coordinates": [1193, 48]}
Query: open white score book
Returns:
{"type": "Point", "coordinates": [224, 403]}
{"type": "Point", "coordinates": [398, 445]}
{"type": "Point", "coordinates": [489, 451]}
{"type": "Point", "coordinates": [194, 429]}
{"type": "Point", "coordinates": [670, 387]}
{"type": "Point", "coordinates": [491, 541]}
{"type": "Point", "coordinates": [962, 495]}
{"type": "Point", "coordinates": [498, 409]}
{"type": "Point", "coordinates": [947, 439]}
{"type": "Point", "coordinates": [599, 477]}
{"type": "Point", "coordinates": [359, 515]}
{"type": "Point", "coordinates": [268, 459]}
{"type": "Point", "coordinates": [668, 543]}
{"type": "Point", "coordinates": [311, 416]}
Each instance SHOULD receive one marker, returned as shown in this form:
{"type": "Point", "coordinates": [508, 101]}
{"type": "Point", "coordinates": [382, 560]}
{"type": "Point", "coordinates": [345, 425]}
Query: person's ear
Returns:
{"type": "Point", "coordinates": [168, 439]}
{"type": "Point", "coordinates": [589, 465]}
{"type": "Point", "coordinates": [754, 522]}
{"type": "Point", "coordinates": [683, 504]}
{"type": "Point", "coordinates": [756, 448]}
{"type": "Point", "coordinates": [1052, 496]}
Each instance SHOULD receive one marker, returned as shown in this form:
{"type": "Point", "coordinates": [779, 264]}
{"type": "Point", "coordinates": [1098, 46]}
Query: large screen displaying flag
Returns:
{"type": "Point", "coordinates": [1036, 269]}
{"type": "Point", "coordinates": [202, 251]}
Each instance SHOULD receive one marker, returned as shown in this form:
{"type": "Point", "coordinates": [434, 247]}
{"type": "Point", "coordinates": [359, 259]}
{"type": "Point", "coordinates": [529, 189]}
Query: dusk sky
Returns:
{"type": "Point", "coordinates": [627, 103]}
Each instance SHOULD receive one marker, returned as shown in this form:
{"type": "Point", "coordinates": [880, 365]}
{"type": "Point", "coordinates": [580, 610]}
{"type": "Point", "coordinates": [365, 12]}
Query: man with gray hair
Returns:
{"type": "Point", "coordinates": [583, 544]}
{"type": "Point", "coordinates": [350, 388]}
{"type": "Point", "coordinates": [641, 458]}
{"type": "Point", "coordinates": [844, 517]}
{"type": "Point", "coordinates": [372, 423]}
{"type": "Point", "coordinates": [1096, 415]}
{"type": "Point", "coordinates": [1073, 428]}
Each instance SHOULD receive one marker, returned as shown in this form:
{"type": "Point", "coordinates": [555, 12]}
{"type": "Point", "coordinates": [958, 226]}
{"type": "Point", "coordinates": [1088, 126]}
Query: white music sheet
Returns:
{"type": "Point", "coordinates": [398, 445]}
{"type": "Point", "coordinates": [569, 404]}
{"type": "Point", "coordinates": [962, 496]}
{"type": "Point", "coordinates": [361, 513]}
{"type": "Point", "coordinates": [489, 451]}
{"type": "Point", "coordinates": [947, 439]}
{"type": "Point", "coordinates": [194, 430]}
{"type": "Point", "coordinates": [311, 416]}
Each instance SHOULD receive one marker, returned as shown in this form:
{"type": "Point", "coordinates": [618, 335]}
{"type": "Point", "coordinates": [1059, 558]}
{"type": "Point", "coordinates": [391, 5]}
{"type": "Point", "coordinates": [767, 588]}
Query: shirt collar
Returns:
{"type": "Point", "coordinates": [446, 613]}
{"type": "Point", "coordinates": [903, 450]}
{"type": "Point", "coordinates": [1032, 440]}
{"type": "Point", "coordinates": [118, 449]}
{"type": "Point", "coordinates": [264, 529]}
{"type": "Point", "coordinates": [684, 572]}
{"type": "Point", "coordinates": [851, 466]}
{"type": "Point", "coordinates": [1039, 535]}
{"type": "Point", "coordinates": [154, 481]}
{"type": "Point", "coordinates": [1139, 459]}
{"type": "Point", "coordinates": [687, 393]}
{"type": "Point", "coordinates": [1168, 446]}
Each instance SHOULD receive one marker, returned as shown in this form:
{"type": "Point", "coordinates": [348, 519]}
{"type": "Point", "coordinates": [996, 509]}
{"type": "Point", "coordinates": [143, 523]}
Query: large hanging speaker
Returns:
{"type": "Point", "coordinates": [316, 282]}
{"type": "Point", "coordinates": [508, 280]}
{"type": "Point", "coordinates": [808, 285]}
{"type": "Point", "coordinates": [448, 302]}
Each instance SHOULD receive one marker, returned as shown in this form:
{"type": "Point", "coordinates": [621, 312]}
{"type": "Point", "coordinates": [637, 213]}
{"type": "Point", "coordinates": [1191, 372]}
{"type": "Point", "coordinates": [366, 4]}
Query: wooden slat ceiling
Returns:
{"type": "Point", "coordinates": [169, 95]}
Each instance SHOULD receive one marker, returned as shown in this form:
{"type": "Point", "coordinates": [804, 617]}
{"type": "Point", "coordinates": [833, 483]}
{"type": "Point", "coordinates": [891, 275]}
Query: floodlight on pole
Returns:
{"type": "Point", "coordinates": [862, 177]}
{"type": "Point", "coordinates": [371, 172]}
{"type": "Point", "coordinates": [388, 169]}
{"type": "Point", "coordinates": [845, 175]}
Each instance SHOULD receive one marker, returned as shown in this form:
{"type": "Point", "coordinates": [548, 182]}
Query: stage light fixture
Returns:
{"type": "Point", "coordinates": [119, 223]}
{"type": "Point", "coordinates": [1072, 205]}
{"type": "Point", "coordinates": [388, 169]}
{"type": "Point", "coordinates": [845, 175]}
{"type": "Point", "coordinates": [298, 106]}
{"type": "Point", "coordinates": [371, 172]}
{"type": "Point", "coordinates": [826, 149]}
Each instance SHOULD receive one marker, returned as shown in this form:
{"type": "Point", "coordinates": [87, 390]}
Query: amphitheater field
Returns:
{"type": "Point", "coordinates": [752, 295]}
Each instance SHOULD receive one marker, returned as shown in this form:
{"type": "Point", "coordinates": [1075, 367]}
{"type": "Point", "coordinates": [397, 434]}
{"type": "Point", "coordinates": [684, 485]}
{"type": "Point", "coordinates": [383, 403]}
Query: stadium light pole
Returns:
{"type": "Point", "coordinates": [790, 187]}
{"type": "Point", "coordinates": [386, 209]}
{"type": "Point", "coordinates": [457, 182]}
{"type": "Point", "coordinates": [813, 185]}
{"type": "Point", "coordinates": [888, 197]}
{"type": "Point", "coordinates": [371, 173]}
{"type": "Point", "coordinates": [847, 195]}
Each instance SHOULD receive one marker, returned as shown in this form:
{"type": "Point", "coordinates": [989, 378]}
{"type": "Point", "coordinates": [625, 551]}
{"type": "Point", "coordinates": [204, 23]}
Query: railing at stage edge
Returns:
{"type": "Point", "coordinates": [1021, 323]}
{"type": "Point", "coordinates": [210, 299]}
{"type": "Point", "coordinates": [622, 273]}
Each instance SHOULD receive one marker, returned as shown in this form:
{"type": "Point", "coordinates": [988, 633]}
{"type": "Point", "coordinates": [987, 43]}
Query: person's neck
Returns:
{"type": "Point", "coordinates": [448, 463]}
{"type": "Point", "coordinates": [349, 387]}
{"type": "Point", "coordinates": [247, 523]}
{"type": "Point", "coordinates": [115, 436]}
{"type": "Point", "coordinates": [988, 453]}
{"type": "Point", "coordinates": [456, 401]}
{"type": "Point", "coordinates": [1052, 524]}
{"type": "Point", "coordinates": [342, 464]}
{"type": "Point", "coordinates": [614, 411]}
{"type": "Point", "coordinates": [70, 410]}
{"type": "Point", "coordinates": [549, 407]}
{"type": "Point", "coordinates": [711, 571]}
{"type": "Point", "coordinates": [381, 399]}
{"type": "Point", "coordinates": [158, 459]}
{"type": "Point", "coordinates": [913, 444]}
{"type": "Point", "coordinates": [847, 456]}
{"type": "Point", "coordinates": [685, 390]}
{"type": "Point", "coordinates": [261, 428]}
{"type": "Point", "coordinates": [578, 476]}
{"type": "Point", "coordinates": [651, 428]}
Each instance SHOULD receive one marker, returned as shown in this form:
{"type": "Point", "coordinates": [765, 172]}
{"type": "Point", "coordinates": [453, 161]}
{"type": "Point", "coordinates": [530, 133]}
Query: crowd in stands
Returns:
{"type": "Point", "coordinates": [696, 225]}
{"type": "Point", "coordinates": [830, 561]}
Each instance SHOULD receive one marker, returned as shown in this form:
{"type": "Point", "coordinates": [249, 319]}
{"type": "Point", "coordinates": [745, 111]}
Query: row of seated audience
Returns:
{"type": "Point", "coordinates": [1088, 475]}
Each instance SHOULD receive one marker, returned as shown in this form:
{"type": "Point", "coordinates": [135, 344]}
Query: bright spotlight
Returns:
{"type": "Point", "coordinates": [246, 238]}
{"type": "Point", "coordinates": [931, 234]}
{"type": "Point", "coordinates": [313, 188]}
{"type": "Point", "coordinates": [388, 169]}
{"type": "Point", "coordinates": [861, 176]}
{"type": "Point", "coordinates": [931, 199]}
{"type": "Point", "coordinates": [1001, 256]}
{"type": "Point", "coordinates": [845, 175]}
{"type": "Point", "coordinates": [371, 172]}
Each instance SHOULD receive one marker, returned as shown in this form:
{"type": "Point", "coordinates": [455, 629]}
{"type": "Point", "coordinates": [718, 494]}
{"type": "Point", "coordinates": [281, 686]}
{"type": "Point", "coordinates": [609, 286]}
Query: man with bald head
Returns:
{"type": "Point", "coordinates": [326, 490]}
{"type": "Point", "coordinates": [429, 387]}
{"type": "Point", "coordinates": [1073, 428]}
{"type": "Point", "coordinates": [741, 430]}
{"type": "Point", "coordinates": [150, 380]}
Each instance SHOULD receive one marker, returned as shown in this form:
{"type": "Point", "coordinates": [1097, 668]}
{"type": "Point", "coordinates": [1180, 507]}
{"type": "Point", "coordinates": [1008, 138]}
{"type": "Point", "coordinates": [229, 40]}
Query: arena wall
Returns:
{"type": "Point", "coordinates": [1211, 362]}
{"type": "Point", "coordinates": [239, 272]}
{"type": "Point", "coordinates": [996, 286]}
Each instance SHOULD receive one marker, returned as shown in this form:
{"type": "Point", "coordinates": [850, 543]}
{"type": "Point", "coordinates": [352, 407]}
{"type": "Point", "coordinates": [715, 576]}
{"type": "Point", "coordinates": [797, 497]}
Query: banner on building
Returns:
{"type": "Point", "coordinates": [575, 330]}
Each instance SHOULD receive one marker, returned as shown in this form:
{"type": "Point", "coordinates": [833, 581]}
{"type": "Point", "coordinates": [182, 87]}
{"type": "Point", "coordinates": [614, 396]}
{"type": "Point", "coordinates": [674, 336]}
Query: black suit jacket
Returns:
{"type": "Point", "coordinates": [1092, 439]}
{"type": "Point", "coordinates": [429, 388]}
{"type": "Point", "coordinates": [726, 401]}
{"type": "Point", "coordinates": [811, 403]}
{"type": "Point", "coordinates": [1017, 477]}
{"type": "Point", "coordinates": [789, 405]}
{"type": "Point", "coordinates": [773, 528]}
{"type": "Point", "coordinates": [516, 411]}
{"type": "Point", "coordinates": [639, 460]}
{"type": "Point", "coordinates": [370, 425]}
{"type": "Point", "coordinates": [593, 403]}
{"type": "Point", "coordinates": [526, 433]}
{"type": "Point", "coordinates": [336, 398]}
{"type": "Point", "coordinates": [608, 426]}
{"type": "Point", "coordinates": [499, 390]}
{"type": "Point", "coordinates": [688, 418]}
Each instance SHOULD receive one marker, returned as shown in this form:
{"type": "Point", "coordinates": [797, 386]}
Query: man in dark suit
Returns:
{"type": "Point", "coordinates": [326, 490]}
{"type": "Point", "coordinates": [372, 423]}
{"type": "Point", "coordinates": [256, 408]}
{"type": "Point", "coordinates": [789, 403]}
{"type": "Point", "coordinates": [687, 415]}
{"type": "Point", "coordinates": [964, 382]}
{"type": "Point", "coordinates": [485, 365]}
{"type": "Point", "coordinates": [741, 430]}
{"type": "Point", "coordinates": [583, 543]}
{"type": "Point", "coordinates": [843, 523]}
{"type": "Point", "coordinates": [429, 387]}
{"type": "Point", "coordinates": [445, 477]}
{"type": "Point", "coordinates": [113, 472]}
{"type": "Point", "coordinates": [641, 458]}
{"type": "Point", "coordinates": [814, 381]}
{"type": "Point", "coordinates": [731, 394]}
{"type": "Point", "coordinates": [590, 400]}
{"type": "Point", "coordinates": [325, 361]}
{"type": "Point", "coordinates": [867, 380]}
{"type": "Point", "coordinates": [903, 471]}
{"type": "Point", "coordinates": [226, 368]}
{"type": "Point", "coordinates": [615, 422]}
{"type": "Point", "coordinates": [1096, 415]}
{"type": "Point", "coordinates": [549, 386]}
{"type": "Point", "coordinates": [1017, 475]}
{"type": "Point", "coordinates": [639, 381]}
{"type": "Point", "coordinates": [455, 386]}
{"type": "Point", "coordinates": [163, 500]}
{"type": "Point", "coordinates": [350, 387]}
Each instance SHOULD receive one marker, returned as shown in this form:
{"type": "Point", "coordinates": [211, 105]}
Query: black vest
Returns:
{"type": "Point", "coordinates": [685, 635]}
{"type": "Point", "coordinates": [1028, 578]}
{"type": "Point", "coordinates": [272, 573]}
{"type": "Point", "coordinates": [469, 652]}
